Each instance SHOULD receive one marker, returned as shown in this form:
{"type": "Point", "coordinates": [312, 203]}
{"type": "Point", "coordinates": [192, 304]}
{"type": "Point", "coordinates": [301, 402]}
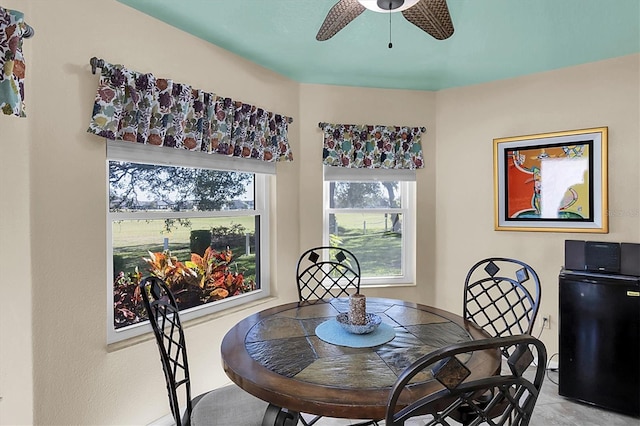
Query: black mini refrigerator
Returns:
{"type": "Point", "coordinates": [599, 355]}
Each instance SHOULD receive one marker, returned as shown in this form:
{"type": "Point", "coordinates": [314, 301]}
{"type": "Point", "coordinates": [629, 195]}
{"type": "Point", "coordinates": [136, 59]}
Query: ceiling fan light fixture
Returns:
{"type": "Point", "coordinates": [382, 6]}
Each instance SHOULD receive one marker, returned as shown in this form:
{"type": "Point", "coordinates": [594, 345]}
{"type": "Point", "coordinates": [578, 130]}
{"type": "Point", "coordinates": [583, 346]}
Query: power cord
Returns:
{"type": "Point", "coordinates": [544, 322]}
{"type": "Point", "coordinates": [551, 369]}
{"type": "Point", "coordinates": [548, 369]}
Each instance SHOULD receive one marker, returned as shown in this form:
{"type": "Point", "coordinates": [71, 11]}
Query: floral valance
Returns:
{"type": "Point", "coordinates": [371, 146]}
{"type": "Point", "coordinates": [137, 107]}
{"type": "Point", "coordinates": [13, 30]}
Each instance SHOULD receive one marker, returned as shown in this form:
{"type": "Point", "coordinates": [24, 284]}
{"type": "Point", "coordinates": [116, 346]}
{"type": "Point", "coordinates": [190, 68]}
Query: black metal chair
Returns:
{"type": "Point", "coordinates": [326, 272]}
{"type": "Point", "coordinates": [502, 296]}
{"type": "Point", "coordinates": [229, 405]}
{"type": "Point", "coordinates": [513, 393]}
{"type": "Point", "coordinates": [323, 273]}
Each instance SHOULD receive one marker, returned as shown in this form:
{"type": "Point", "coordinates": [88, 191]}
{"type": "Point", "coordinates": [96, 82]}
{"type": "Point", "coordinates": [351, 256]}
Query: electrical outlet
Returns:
{"type": "Point", "coordinates": [546, 322]}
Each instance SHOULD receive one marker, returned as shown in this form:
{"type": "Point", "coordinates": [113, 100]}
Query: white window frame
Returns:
{"type": "Point", "coordinates": [406, 178]}
{"type": "Point", "coordinates": [138, 153]}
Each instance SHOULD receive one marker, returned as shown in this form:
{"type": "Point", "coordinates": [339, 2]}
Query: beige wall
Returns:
{"type": "Point", "coordinates": [600, 94]}
{"type": "Point", "coordinates": [16, 389]}
{"type": "Point", "coordinates": [50, 158]}
{"type": "Point", "coordinates": [334, 104]}
{"type": "Point", "coordinates": [52, 203]}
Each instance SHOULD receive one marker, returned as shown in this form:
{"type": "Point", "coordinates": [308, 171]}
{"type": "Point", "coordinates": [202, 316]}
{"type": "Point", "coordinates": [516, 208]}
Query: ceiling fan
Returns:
{"type": "Point", "coordinates": [431, 16]}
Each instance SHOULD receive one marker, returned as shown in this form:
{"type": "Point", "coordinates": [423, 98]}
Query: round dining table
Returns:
{"type": "Point", "coordinates": [280, 356]}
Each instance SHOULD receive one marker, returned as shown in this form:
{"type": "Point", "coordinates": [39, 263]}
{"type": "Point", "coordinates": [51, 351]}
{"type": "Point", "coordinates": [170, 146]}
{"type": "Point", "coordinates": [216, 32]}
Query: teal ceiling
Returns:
{"type": "Point", "coordinates": [493, 39]}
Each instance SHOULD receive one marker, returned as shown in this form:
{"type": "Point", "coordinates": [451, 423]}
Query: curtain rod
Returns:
{"type": "Point", "coordinates": [322, 126]}
{"type": "Point", "coordinates": [29, 31]}
{"type": "Point", "coordinates": [96, 63]}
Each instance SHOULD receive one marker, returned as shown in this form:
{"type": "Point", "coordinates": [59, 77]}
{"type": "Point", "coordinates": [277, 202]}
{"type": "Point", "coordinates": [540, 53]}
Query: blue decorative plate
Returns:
{"type": "Point", "coordinates": [373, 321]}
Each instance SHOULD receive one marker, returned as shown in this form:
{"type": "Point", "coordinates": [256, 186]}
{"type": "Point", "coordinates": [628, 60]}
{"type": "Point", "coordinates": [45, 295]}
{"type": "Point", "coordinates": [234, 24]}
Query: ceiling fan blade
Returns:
{"type": "Point", "coordinates": [432, 17]}
{"type": "Point", "coordinates": [338, 17]}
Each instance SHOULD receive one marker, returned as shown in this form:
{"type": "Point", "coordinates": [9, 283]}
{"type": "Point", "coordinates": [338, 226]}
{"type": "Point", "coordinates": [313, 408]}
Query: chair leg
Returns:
{"type": "Point", "coordinates": [277, 416]}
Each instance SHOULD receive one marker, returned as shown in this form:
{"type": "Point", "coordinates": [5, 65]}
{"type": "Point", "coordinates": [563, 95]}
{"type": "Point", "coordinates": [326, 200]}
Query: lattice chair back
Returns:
{"type": "Point", "coordinates": [513, 393]}
{"type": "Point", "coordinates": [502, 296]}
{"type": "Point", "coordinates": [163, 314]}
{"type": "Point", "coordinates": [326, 272]}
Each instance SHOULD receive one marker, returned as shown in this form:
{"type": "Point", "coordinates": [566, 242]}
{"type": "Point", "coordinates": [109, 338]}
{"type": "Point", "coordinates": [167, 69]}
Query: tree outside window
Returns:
{"type": "Point", "coordinates": [197, 229]}
{"type": "Point", "coordinates": [368, 219]}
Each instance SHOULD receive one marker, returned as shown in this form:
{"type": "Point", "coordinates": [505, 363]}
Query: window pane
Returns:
{"type": "Point", "coordinates": [147, 187]}
{"type": "Point", "coordinates": [362, 195]}
{"type": "Point", "coordinates": [374, 238]}
{"type": "Point", "coordinates": [166, 248]}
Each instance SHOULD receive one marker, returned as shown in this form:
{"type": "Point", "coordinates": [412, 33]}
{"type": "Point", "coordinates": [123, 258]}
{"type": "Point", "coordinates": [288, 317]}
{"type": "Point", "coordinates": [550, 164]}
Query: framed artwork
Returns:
{"type": "Point", "coordinates": [554, 182]}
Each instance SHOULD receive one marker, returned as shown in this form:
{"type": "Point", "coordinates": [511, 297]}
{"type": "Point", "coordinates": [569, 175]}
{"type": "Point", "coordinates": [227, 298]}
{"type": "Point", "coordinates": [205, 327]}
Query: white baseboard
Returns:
{"type": "Point", "coordinates": [163, 421]}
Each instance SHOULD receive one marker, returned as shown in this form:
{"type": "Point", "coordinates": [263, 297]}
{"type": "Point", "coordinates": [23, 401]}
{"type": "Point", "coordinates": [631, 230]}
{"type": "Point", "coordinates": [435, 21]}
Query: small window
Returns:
{"type": "Point", "coordinates": [375, 220]}
{"type": "Point", "coordinates": [201, 230]}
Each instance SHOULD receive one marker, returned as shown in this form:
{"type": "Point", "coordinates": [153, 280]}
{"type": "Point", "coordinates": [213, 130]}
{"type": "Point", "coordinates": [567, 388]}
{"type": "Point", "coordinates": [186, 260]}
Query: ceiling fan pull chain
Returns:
{"type": "Point", "coordinates": [390, 44]}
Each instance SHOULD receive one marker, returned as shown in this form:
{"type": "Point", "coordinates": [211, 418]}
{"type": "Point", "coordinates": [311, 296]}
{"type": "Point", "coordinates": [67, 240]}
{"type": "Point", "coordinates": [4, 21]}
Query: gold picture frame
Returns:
{"type": "Point", "coordinates": [553, 182]}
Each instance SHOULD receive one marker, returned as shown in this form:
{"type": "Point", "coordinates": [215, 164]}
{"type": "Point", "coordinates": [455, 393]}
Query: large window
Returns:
{"type": "Point", "coordinates": [375, 220]}
{"type": "Point", "coordinates": [201, 229]}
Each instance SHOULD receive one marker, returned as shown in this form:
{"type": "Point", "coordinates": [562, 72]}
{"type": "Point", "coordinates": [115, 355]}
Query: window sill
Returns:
{"type": "Point", "coordinates": [387, 285]}
{"type": "Point", "coordinates": [132, 341]}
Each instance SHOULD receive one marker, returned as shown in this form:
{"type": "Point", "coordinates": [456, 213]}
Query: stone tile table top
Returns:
{"type": "Point", "coordinates": [276, 356]}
